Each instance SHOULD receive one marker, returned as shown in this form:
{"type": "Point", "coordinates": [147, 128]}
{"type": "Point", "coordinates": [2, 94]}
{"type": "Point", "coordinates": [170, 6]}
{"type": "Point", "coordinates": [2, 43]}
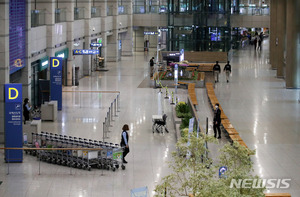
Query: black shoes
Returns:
{"type": "Point", "coordinates": [227, 81]}
{"type": "Point", "coordinates": [219, 137]}
{"type": "Point", "coordinates": [124, 161]}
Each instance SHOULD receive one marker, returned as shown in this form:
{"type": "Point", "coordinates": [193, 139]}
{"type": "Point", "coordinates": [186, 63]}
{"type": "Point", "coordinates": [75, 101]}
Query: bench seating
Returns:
{"type": "Point", "coordinates": [192, 93]}
{"type": "Point", "coordinates": [278, 195]}
{"type": "Point", "coordinates": [235, 138]}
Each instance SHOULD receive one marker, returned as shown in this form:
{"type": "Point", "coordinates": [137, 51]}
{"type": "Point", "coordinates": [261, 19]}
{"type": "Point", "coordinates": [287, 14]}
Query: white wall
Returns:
{"type": "Point", "coordinates": [60, 32]}
{"type": "Point", "coordinates": [38, 39]}
{"type": "Point", "coordinates": [96, 23]}
{"type": "Point", "coordinates": [78, 29]}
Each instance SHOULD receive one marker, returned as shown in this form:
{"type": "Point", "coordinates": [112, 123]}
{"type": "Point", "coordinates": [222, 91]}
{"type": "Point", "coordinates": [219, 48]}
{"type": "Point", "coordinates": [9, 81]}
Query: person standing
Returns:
{"type": "Point", "coordinates": [217, 70]}
{"type": "Point", "coordinates": [217, 121]}
{"type": "Point", "coordinates": [151, 66]}
{"type": "Point", "coordinates": [124, 141]}
{"type": "Point", "coordinates": [227, 69]}
{"type": "Point", "coordinates": [26, 110]}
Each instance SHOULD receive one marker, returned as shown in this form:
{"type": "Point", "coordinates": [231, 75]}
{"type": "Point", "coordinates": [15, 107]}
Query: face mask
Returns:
{"type": "Point", "coordinates": [216, 106]}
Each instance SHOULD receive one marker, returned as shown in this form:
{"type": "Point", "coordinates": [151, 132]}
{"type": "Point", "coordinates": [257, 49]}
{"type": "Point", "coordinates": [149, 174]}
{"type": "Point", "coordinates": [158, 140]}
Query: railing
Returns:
{"type": "Point", "coordinates": [254, 11]}
{"type": "Point", "coordinates": [60, 15]}
{"type": "Point", "coordinates": [37, 18]}
{"type": "Point", "coordinates": [112, 109]}
{"type": "Point", "coordinates": [155, 9]}
{"type": "Point", "coordinates": [122, 10]}
{"type": "Point", "coordinates": [96, 12]}
{"type": "Point", "coordinates": [78, 13]}
{"type": "Point", "coordinates": [109, 10]}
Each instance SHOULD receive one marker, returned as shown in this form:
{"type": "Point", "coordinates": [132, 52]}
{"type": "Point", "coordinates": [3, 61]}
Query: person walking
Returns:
{"type": "Point", "coordinates": [217, 70]}
{"type": "Point", "coordinates": [151, 66]}
{"type": "Point", "coordinates": [217, 121]}
{"type": "Point", "coordinates": [124, 141]}
{"type": "Point", "coordinates": [227, 69]}
{"type": "Point", "coordinates": [260, 40]}
{"type": "Point", "coordinates": [26, 110]}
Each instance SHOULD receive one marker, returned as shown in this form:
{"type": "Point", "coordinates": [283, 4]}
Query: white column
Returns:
{"type": "Point", "coordinates": [4, 59]}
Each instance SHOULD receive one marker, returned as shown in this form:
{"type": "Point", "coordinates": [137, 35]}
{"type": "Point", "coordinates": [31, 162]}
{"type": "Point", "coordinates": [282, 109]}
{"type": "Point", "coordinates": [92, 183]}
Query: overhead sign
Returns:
{"type": "Point", "coordinates": [85, 52]}
{"type": "Point", "coordinates": [150, 32]}
{"type": "Point", "coordinates": [96, 44]}
{"type": "Point", "coordinates": [13, 122]}
{"type": "Point", "coordinates": [56, 80]}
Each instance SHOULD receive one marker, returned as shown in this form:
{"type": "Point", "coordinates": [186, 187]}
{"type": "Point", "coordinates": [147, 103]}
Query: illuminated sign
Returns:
{"type": "Point", "coordinates": [18, 63]}
{"type": "Point", "coordinates": [96, 44]}
{"type": "Point", "coordinates": [150, 33]}
{"type": "Point", "coordinates": [85, 52]}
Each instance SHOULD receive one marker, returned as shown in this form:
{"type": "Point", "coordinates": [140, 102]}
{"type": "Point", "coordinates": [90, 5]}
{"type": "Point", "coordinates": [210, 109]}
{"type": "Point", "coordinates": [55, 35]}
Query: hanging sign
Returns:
{"type": "Point", "coordinates": [85, 52]}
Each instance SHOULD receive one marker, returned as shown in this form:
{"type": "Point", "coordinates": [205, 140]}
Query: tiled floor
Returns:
{"type": "Point", "coordinates": [265, 114]}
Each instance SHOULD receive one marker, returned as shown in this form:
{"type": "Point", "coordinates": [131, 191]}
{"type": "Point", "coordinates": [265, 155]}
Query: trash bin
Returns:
{"type": "Point", "coordinates": [76, 76]}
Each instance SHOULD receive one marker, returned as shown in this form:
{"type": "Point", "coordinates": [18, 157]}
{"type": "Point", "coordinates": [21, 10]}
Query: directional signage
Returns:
{"type": "Point", "coordinates": [13, 122]}
{"type": "Point", "coordinates": [150, 32]}
{"type": "Point", "coordinates": [96, 44]}
{"type": "Point", "coordinates": [56, 80]}
{"type": "Point", "coordinates": [85, 52]}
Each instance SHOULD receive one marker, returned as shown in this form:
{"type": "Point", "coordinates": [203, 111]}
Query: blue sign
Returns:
{"type": "Point", "coordinates": [13, 122]}
{"type": "Point", "coordinates": [85, 52]}
{"type": "Point", "coordinates": [96, 44]}
{"type": "Point", "coordinates": [56, 80]}
{"type": "Point", "coordinates": [222, 171]}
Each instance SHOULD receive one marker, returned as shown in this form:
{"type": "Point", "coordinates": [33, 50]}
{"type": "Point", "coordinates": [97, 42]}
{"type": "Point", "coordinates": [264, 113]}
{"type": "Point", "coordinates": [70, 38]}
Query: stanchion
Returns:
{"type": "Point", "coordinates": [172, 103]}
{"type": "Point", "coordinates": [206, 125]}
{"type": "Point", "coordinates": [108, 115]}
{"type": "Point", "coordinates": [39, 162]}
{"type": "Point", "coordinates": [115, 104]}
{"type": "Point", "coordinates": [166, 97]}
{"type": "Point", "coordinates": [7, 162]}
{"type": "Point", "coordinates": [118, 98]}
{"type": "Point", "coordinates": [159, 91]}
{"type": "Point", "coordinates": [111, 112]}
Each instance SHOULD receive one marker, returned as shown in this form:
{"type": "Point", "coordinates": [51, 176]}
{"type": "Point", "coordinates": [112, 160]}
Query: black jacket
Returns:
{"type": "Point", "coordinates": [217, 116]}
{"type": "Point", "coordinates": [151, 62]}
{"type": "Point", "coordinates": [217, 67]}
{"type": "Point", "coordinates": [227, 67]}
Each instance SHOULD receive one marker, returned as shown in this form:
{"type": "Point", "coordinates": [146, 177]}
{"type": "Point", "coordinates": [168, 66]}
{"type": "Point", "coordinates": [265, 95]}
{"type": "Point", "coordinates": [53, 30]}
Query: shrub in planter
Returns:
{"type": "Point", "coordinates": [183, 110]}
{"type": "Point", "coordinates": [185, 122]}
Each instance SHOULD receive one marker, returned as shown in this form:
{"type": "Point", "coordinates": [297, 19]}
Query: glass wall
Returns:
{"type": "Point", "coordinates": [250, 7]}
{"type": "Point", "coordinates": [150, 6]}
{"type": "Point", "coordinates": [37, 18]}
{"type": "Point", "coordinates": [199, 25]}
{"type": "Point", "coordinates": [95, 12]}
{"type": "Point", "coordinates": [60, 15]}
{"type": "Point", "coordinates": [78, 13]}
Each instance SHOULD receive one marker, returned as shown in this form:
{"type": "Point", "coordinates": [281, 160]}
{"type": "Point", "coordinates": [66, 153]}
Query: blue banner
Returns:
{"type": "Point", "coordinates": [56, 80]}
{"type": "Point", "coordinates": [96, 44]}
{"type": "Point", "coordinates": [85, 52]}
{"type": "Point", "coordinates": [13, 122]}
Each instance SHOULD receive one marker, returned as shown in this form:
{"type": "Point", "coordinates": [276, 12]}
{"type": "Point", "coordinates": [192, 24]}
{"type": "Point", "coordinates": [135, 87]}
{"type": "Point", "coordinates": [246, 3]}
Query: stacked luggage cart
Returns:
{"type": "Point", "coordinates": [109, 157]}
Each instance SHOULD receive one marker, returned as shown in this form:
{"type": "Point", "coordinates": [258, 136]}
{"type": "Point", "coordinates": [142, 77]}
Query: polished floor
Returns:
{"type": "Point", "coordinates": [266, 115]}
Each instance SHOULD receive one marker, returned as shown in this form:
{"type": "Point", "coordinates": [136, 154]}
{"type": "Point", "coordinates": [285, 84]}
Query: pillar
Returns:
{"type": "Point", "coordinates": [113, 40]}
{"type": "Point", "coordinates": [293, 44]}
{"type": "Point", "coordinates": [138, 39]}
{"type": "Point", "coordinates": [127, 37]}
{"type": "Point", "coordinates": [4, 59]}
{"type": "Point", "coordinates": [103, 5]}
{"type": "Point", "coordinates": [281, 36]}
{"type": "Point", "coordinates": [87, 36]}
{"type": "Point", "coordinates": [273, 33]}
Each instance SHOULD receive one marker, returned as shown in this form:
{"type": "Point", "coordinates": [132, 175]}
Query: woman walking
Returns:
{"type": "Point", "coordinates": [124, 141]}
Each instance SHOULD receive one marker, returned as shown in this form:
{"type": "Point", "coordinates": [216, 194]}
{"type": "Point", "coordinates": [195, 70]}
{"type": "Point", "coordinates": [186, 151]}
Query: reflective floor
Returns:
{"type": "Point", "coordinates": [266, 115]}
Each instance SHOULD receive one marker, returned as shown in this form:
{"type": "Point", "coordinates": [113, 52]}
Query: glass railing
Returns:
{"type": "Point", "coordinates": [96, 12]}
{"type": "Point", "coordinates": [78, 13]}
{"type": "Point", "coordinates": [156, 9]}
{"type": "Point", "coordinates": [122, 10]}
{"type": "Point", "coordinates": [254, 11]}
{"type": "Point", "coordinates": [109, 10]}
{"type": "Point", "coordinates": [37, 18]}
{"type": "Point", "coordinates": [60, 15]}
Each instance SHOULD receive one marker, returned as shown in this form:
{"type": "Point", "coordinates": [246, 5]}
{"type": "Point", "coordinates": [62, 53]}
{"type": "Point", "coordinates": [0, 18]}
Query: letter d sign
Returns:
{"type": "Point", "coordinates": [56, 63]}
{"type": "Point", "coordinates": [13, 93]}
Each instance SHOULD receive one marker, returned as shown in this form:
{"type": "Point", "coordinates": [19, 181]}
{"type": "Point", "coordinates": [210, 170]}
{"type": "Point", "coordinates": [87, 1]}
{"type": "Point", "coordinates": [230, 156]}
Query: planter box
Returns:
{"type": "Point", "coordinates": [171, 83]}
{"type": "Point", "coordinates": [177, 122]}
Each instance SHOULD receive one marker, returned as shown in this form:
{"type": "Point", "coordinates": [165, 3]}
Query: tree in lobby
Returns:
{"type": "Point", "coordinates": [194, 174]}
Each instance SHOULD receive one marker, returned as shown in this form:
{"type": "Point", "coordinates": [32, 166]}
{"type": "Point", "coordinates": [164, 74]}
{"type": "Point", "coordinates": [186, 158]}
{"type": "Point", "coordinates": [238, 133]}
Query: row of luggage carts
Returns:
{"type": "Point", "coordinates": [109, 157]}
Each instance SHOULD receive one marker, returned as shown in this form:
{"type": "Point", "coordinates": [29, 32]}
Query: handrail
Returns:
{"type": "Point", "coordinates": [95, 91]}
{"type": "Point", "coordinates": [51, 148]}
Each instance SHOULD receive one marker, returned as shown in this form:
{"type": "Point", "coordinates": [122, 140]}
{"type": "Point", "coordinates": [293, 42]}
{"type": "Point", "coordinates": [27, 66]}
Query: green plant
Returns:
{"type": "Point", "coordinates": [185, 122]}
{"type": "Point", "coordinates": [183, 110]}
{"type": "Point", "coordinates": [195, 174]}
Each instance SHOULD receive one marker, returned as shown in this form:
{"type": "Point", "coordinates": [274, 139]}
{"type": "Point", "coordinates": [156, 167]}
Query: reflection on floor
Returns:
{"type": "Point", "coordinates": [266, 115]}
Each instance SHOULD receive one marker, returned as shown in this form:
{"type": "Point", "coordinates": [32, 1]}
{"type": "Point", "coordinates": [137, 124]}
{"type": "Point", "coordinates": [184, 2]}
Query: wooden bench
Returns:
{"type": "Point", "coordinates": [228, 126]}
{"type": "Point", "coordinates": [243, 143]}
{"type": "Point", "coordinates": [201, 76]}
{"type": "Point", "coordinates": [185, 84]}
{"type": "Point", "coordinates": [225, 121]}
{"type": "Point", "coordinates": [235, 138]}
{"type": "Point", "coordinates": [192, 93]}
{"type": "Point", "coordinates": [278, 195]}
{"type": "Point", "coordinates": [232, 131]}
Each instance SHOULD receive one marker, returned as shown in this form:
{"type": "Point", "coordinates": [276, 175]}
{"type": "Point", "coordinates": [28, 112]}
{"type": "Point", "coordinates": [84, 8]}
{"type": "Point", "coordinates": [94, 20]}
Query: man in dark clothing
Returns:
{"type": "Point", "coordinates": [124, 141]}
{"type": "Point", "coordinates": [151, 66]}
{"type": "Point", "coordinates": [227, 69]}
{"type": "Point", "coordinates": [217, 121]}
{"type": "Point", "coordinates": [217, 70]}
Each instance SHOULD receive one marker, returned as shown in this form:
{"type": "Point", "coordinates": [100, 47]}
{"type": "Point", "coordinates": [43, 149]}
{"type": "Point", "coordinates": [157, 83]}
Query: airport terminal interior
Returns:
{"type": "Point", "coordinates": [84, 66]}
